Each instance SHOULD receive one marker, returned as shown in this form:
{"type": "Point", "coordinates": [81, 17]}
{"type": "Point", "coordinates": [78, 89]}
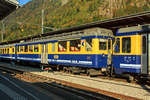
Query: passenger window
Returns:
{"type": "Point", "coordinates": [21, 48]}
{"type": "Point", "coordinates": [75, 45]}
{"type": "Point", "coordinates": [109, 44]}
{"type": "Point", "coordinates": [88, 44]}
{"type": "Point", "coordinates": [53, 47]}
{"type": "Point", "coordinates": [102, 44]}
{"type": "Point", "coordinates": [26, 48]}
{"type": "Point", "coordinates": [36, 48]}
{"type": "Point", "coordinates": [144, 44]}
{"type": "Point", "coordinates": [62, 46]}
{"type": "Point", "coordinates": [117, 46]}
{"type": "Point", "coordinates": [30, 48]}
{"type": "Point", "coordinates": [2, 51]}
{"type": "Point", "coordinates": [126, 45]}
{"type": "Point", "coordinates": [7, 51]}
{"type": "Point", "coordinates": [13, 50]}
{"type": "Point", "coordinates": [17, 48]}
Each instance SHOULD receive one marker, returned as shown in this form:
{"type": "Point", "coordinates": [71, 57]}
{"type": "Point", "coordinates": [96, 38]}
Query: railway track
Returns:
{"type": "Point", "coordinates": [47, 83]}
{"type": "Point", "coordinates": [79, 90]}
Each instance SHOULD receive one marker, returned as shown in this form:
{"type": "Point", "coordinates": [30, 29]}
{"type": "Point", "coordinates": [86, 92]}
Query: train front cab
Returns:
{"type": "Point", "coordinates": [131, 52]}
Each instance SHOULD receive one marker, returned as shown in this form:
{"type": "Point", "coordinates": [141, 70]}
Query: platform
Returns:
{"type": "Point", "coordinates": [128, 89]}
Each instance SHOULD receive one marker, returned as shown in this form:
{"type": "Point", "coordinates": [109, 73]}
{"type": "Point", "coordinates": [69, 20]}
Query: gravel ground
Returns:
{"type": "Point", "coordinates": [128, 89]}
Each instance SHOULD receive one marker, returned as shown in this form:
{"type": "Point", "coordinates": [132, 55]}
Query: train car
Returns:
{"type": "Point", "coordinates": [87, 49]}
{"type": "Point", "coordinates": [131, 54]}
{"type": "Point", "coordinates": [7, 52]}
{"type": "Point", "coordinates": [28, 52]}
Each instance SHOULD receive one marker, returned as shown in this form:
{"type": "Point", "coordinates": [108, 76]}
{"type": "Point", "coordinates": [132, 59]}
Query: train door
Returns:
{"type": "Point", "coordinates": [148, 54]}
{"type": "Point", "coordinates": [109, 52]}
{"type": "Point", "coordinates": [145, 52]}
{"type": "Point", "coordinates": [44, 53]}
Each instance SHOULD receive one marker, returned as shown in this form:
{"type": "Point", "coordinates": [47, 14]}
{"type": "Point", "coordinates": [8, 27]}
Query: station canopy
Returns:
{"type": "Point", "coordinates": [7, 6]}
{"type": "Point", "coordinates": [113, 24]}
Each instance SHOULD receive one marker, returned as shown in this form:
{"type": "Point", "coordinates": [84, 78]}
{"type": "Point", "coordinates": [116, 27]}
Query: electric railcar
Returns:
{"type": "Point", "coordinates": [131, 54]}
{"type": "Point", "coordinates": [92, 50]}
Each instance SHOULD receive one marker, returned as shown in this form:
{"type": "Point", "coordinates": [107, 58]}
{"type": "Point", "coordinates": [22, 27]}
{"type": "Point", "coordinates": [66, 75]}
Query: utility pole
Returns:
{"type": "Point", "coordinates": [42, 21]}
{"type": "Point", "coordinates": [3, 31]}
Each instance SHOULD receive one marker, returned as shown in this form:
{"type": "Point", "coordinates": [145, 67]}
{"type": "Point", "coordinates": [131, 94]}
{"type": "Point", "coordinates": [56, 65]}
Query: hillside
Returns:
{"type": "Point", "coordinates": [60, 14]}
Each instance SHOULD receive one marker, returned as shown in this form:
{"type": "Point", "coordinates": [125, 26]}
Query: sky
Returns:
{"type": "Point", "coordinates": [22, 2]}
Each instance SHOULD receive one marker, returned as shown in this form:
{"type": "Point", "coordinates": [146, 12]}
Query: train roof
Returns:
{"type": "Point", "coordinates": [139, 28]}
{"type": "Point", "coordinates": [7, 45]}
{"type": "Point", "coordinates": [73, 35]}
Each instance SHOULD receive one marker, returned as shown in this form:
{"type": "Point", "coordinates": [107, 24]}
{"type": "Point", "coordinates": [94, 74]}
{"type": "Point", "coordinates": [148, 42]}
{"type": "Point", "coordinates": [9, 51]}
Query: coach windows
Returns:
{"type": "Point", "coordinates": [126, 45]}
{"type": "Point", "coordinates": [117, 46]}
{"type": "Point", "coordinates": [75, 45]}
{"type": "Point", "coordinates": [26, 48]}
{"type": "Point", "coordinates": [8, 51]}
{"type": "Point", "coordinates": [13, 50]}
{"type": "Point", "coordinates": [30, 48]}
{"type": "Point", "coordinates": [53, 47]}
{"type": "Point", "coordinates": [88, 44]}
{"type": "Point", "coordinates": [21, 48]}
{"type": "Point", "coordinates": [62, 46]}
{"type": "Point", "coordinates": [144, 44]}
{"type": "Point", "coordinates": [36, 48]}
{"type": "Point", "coordinates": [102, 44]}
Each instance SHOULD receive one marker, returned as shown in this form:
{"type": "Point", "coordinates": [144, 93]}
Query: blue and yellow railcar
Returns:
{"type": "Point", "coordinates": [87, 48]}
{"type": "Point", "coordinates": [7, 52]}
{"type": "Point", "coordinates": [28, 52]}
{"type": "Point", "coordinates": [132, 50]}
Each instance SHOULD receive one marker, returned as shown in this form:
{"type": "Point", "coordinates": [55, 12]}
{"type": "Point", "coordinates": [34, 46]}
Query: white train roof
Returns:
{"type": "Point", "coordinates": [139, 28]}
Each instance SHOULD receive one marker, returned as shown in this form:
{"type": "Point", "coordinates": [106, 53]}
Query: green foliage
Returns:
{"type": "Point", "coordinates": [27, 20]}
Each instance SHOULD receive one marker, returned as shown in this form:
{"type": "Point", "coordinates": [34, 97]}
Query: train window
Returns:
{"type": "Point", "coordinates": [36, 48]}
{"type": "Point", "coordinates": [144, 44]}
{"type": "Point", "coordinates": [126, 45]}
{"type": "Point", "coordinates": [13, 49]}
{"type": "Point", "coordinates": [17, 48]}
{"type": "Point", "coordinates": [117, 46]}
{"type": "Point", "coordinates": [8, 51]}
{"type": "Point", "coordinates": [102, 44]}
{"type": "Point", "coordinates": [30, 48]}
{"type": "Point", "coordinates": [53, 47]}
{"type": "Point", "coordinates": [75, 45]}
{"type": "Point", "coordinates": [88, 44]}
{"type": "Point", "coordinates": [21, 48]}
{"type": "Point", "coordinates": [5, 51]}
{"type": "Point", "coordinates": [109, 44]}
{"type": "Point", "coordinates": [26, 48]}
{"type": "Point", "coordinates": [62, 46]}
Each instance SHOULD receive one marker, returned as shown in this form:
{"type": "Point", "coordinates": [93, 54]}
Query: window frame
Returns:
{"type": "Point", "coordinates": [58, 48]}
{"type": "Point", "coordinates": [29, 48]}
{"type": "Point", "coordinates": [104, 41]}
{"type": "Point", "coordinates": [73, 47]}
{"type": "Point", "coordinates": [119, 47]}
{"type": "Point", "coordinates": [37, 47]}
{"type": "Point", "coordinates": [86, 48]}
{"type": "Point", "coordinates": [125, 47]}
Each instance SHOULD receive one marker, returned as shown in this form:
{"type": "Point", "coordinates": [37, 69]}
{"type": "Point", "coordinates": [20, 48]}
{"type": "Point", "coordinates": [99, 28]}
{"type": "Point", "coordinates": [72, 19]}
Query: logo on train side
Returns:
{"type": "Point", "coordinates": [56, 56]}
